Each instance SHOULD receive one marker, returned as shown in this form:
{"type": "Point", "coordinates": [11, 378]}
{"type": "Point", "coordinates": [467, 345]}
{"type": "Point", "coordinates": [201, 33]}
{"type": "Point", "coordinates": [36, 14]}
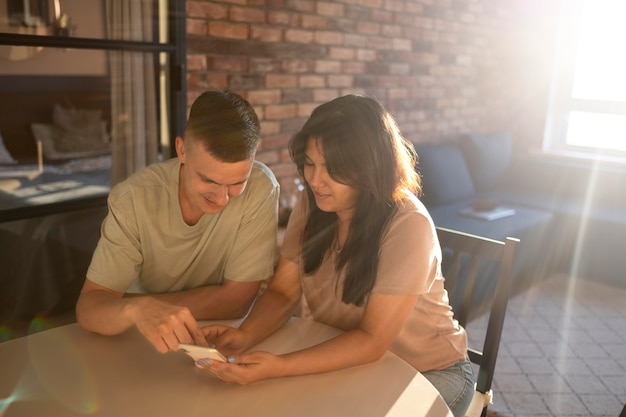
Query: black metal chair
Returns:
{"type": "Point", "coordinates": [464, 258]}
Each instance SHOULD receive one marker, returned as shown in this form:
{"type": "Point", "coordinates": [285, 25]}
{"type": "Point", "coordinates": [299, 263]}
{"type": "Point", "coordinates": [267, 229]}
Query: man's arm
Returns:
{"type": "Point", "coordinates": [230, 300]}
{"type": "Point", "coordinates": [108, 312]}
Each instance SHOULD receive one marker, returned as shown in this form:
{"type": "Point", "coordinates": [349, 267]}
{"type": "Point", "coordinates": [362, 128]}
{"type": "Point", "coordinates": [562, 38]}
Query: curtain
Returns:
{"type": "Point", "coordinates": [134, 127]}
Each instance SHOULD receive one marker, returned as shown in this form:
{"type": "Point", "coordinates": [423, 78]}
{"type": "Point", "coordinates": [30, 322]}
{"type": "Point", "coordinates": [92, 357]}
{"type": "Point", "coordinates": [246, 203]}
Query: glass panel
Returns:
{"type": "Point", "coordinates": [600, 67]}
{"type": "Point", "coordinates": [597, 130]}
{"type": "Point", "coordinates": [65, 129]}
{"type": "Point", "coordinates": [84, 18]}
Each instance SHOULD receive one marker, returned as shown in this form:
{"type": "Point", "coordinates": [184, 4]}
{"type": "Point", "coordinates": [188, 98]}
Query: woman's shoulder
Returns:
{"type": "Point", "coordinates": [410, 203]}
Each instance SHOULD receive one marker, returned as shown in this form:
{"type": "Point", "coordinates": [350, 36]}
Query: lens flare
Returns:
{"type": "Point", "coordinates": [51, 355]}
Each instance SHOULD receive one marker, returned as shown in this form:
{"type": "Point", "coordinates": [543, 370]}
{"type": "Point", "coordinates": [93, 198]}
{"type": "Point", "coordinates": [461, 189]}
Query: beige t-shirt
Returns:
{"type": "Point", "coordinates": [146, 246]}
{"type": "Point", "coordinates": [430, 337]}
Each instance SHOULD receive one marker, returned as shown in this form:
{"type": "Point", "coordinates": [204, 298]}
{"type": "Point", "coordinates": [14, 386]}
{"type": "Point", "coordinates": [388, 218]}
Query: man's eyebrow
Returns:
{"type": "Point", "coordinates": [206, 179]}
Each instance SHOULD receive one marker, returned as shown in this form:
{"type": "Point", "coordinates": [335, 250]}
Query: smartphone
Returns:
{"type": "Point", "coordinates": [200, 352]}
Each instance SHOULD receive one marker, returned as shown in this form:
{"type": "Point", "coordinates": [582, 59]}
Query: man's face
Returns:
{"type": "Point", "coordinates": [208, 184]}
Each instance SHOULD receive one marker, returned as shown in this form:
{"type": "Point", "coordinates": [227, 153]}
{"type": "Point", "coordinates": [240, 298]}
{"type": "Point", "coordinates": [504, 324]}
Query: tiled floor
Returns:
{"type": "Point", "coordinates": [563, 351]}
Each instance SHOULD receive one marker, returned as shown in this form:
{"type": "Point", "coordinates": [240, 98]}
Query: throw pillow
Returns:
{"type": "Point", "coordinates": [488, 157]}
{"type": "Point", "coordinates": [58, 143]}
{"type": "Point", "coordinates": [445, 177]}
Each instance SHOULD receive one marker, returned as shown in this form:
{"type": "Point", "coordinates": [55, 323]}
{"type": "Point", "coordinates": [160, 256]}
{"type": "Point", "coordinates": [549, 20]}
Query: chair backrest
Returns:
{"type": "Point", "coordinates": [465, 256]}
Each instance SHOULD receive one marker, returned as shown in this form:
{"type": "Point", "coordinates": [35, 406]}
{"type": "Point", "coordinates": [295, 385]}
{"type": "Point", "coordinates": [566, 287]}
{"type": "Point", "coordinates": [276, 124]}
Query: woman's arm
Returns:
{"type": "Point", "coordinates": [383, 319]}
{"type": "Point", "coordinates": [271, 311]}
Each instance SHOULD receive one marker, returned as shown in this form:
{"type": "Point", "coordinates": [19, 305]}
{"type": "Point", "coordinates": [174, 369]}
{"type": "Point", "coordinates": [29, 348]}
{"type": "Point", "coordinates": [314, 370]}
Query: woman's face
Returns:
{"type": "Point", "coordinates": [330, 195]}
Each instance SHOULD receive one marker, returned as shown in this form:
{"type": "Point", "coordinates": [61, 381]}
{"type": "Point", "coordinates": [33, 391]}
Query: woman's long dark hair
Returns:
{"type": "Point", "coordinates": [363, 148]}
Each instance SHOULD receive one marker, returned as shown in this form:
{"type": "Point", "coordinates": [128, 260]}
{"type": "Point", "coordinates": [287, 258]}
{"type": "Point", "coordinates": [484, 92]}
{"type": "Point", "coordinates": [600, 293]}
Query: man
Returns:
{"type": "Point", "coordinates": [187, 239]}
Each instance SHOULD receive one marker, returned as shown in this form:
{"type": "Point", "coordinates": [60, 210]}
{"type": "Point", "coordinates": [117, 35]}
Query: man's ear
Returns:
{"type": "Point", "coordinates": [180, 149]}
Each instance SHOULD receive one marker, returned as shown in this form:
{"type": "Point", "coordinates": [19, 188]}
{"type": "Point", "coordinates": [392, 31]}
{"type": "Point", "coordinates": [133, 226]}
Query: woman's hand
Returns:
{"type": "Point", "coordinates": [244, 369]}
{"type": "Point", "coordinates": [226, 339]}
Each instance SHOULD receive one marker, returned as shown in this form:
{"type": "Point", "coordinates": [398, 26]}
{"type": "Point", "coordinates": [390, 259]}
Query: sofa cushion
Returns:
{"type": "Point", "coordinates": [445, 176]}
{"type": "Point", "coordinates": [488, 157]}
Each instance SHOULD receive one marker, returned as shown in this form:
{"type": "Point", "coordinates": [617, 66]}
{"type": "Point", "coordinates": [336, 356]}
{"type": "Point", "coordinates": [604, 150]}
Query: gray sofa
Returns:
{"type": "Point", "coordinates": [569, 216]}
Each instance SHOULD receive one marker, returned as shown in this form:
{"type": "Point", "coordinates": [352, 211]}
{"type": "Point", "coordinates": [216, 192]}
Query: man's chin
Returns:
{"type": "Point", "coordinates": [212, 208]}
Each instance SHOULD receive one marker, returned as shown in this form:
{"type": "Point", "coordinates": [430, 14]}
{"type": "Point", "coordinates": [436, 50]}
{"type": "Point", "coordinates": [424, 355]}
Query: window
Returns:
{"type": "Point", "coordinates": [588, 102]}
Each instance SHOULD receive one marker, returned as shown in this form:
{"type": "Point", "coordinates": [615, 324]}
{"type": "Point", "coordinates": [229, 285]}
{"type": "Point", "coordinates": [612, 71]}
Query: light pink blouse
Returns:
{"type": "Point", "coordinates": [410, 264]}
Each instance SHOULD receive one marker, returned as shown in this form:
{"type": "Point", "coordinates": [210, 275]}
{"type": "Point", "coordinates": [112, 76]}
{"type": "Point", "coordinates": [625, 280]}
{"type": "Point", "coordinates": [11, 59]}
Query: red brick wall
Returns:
{"type": "Point", "coordinates": [441, 67]}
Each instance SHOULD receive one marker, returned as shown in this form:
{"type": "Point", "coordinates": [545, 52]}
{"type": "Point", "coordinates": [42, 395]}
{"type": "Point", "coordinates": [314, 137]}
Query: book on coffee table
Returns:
{"type": "Point", "coordinates": [489, 215]}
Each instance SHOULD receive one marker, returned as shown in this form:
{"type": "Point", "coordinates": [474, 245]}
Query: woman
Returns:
{"type": "Point", "coordinates": [363, 252]}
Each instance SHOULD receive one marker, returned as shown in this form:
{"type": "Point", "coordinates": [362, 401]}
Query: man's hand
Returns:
{"type": "Point", "coordinates": [163, 324]}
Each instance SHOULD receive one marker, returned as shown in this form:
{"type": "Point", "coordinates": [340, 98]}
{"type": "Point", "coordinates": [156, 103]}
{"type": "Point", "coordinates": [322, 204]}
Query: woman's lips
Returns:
{"type": "Point", "coordinates": [320, 196]}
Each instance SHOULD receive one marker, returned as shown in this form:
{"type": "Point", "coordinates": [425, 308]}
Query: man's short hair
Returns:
{"type": "Point", "coordinates": [225, 124]}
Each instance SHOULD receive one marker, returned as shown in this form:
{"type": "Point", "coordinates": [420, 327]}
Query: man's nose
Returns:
{"type": "Point", "coordinates": [220, 196]}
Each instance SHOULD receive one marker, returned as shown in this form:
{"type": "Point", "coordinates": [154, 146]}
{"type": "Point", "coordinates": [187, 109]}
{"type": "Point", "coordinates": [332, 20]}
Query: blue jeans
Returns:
{"type": "Point", "coordinates": [455, 384]}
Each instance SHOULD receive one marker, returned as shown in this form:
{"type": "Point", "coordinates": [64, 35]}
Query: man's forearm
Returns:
{"type": "Point", "coordinates": [103, 313]}
{"type": "Point", "coordinates": [215, 302]}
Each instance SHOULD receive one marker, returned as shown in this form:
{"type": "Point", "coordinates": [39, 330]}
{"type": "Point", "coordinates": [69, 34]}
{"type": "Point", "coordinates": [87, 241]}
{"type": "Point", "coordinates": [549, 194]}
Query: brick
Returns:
{"type": "Point", "coordinates": [228, 30]}
{"type": "Point", "coordinates": [382, 16]}
{"type": "Point", "coordinates": [196, 27]}
{"type": "Point", "coordinates": [305, 109]}
{"type": "Point", "coordinates": [247, 14]}
{"type": "Point", "coordinates": [208, 10]}
{"type": "Point", "coordinates": [279, 18]}
{"type": "Point", "coordinates": [353, 67]}
{"type": "Point", "coordinates": [340, 80]}
{"type": "Point", "coordinates": [270, 127]}
{"type": "Point", "coordinates": [328, 38]}
{"type": "Point", "coordinates": [196, 62]}
{"type": "Point", "coordinates": [266, 34]}
{"type": "Point", "coordinates": [392, 31]}
{"type": "Point", "coordinates": [311, 81]}
{"type": "Point", "coordinates": [298, 36]}
{"type": "Point", "coordinates": [368, 28]}
{"type": "Point", "coordinates": [215, 80]}
{"type": "Point", "coordinates": [264, 65]}
{"type": "Point", "coordinates": [314, 22]}
{"type": "Point", "coordinates": [352, 39]}
{"type": "Point", "coordinates": [196, 81]}
{"type": "Point", "coordinates": [330, 8]}
{"type": "Point", "coordinates": [292, 125]}
{"type": "Point", "coordinates": [264, 96]}
{"type": "Point", "coordinates": [322, 67]}
{"type": "Point", "coordinates": [296, 66]}
{"type": "Point", "coordinates": [366, 55]}
{"type": "Point", "coordinates": [379, 42]}
{"type": "Point", "coordinates": [302, 5]}
{"type": "Point", "coordinates": [322, 95]}
{"type": "Point", "coordinates": [228, 64]}
{"type": "Point", "coordinates": [374, 4]}
{"type": "Point", "coordinates": [276, 141]}
{"type": "Point", "coordinates": [245, 81]}
{"type": "Point", "coordinates": [280, 81]}
{"type": "Point", "coordinates": [296, 95]}
{"type": "Point", "coordinates": [284, 169]}
{"type": "Point", "coordinates": [280, 111]}
{"type": "Point", "coordinates": [268, 157]}
{"type": "Point", "coordinates": [395, 5]}
{"type": "Point", "coordinates": [337, 52]}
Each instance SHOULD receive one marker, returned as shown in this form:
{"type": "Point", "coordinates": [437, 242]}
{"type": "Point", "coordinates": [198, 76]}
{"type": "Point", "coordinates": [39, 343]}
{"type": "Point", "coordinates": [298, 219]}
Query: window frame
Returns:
{"type": "Point", "coordinates": [561, 100]}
